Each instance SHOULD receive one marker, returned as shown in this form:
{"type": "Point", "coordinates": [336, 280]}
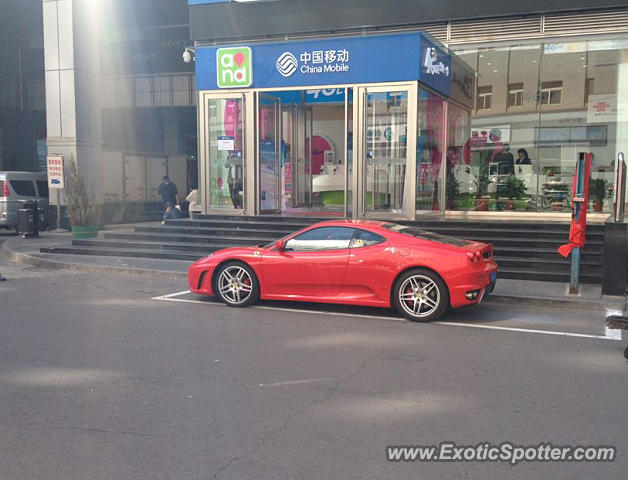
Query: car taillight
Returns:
{"type": "Point", "coordinates": [5, 190]}
{"type": "Point", "coordinates": [474, 256]}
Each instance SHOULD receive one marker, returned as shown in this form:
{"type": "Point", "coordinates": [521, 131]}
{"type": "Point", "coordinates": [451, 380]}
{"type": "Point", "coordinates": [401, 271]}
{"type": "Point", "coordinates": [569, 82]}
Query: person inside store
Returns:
{"type": "Point", "coordinates": [522, 157]}
{"type": "Point", "coordinates": [168, 191]}
{"type": "Point", "coordinates": [171, 212]}
{"type": "Point", "coordinates": [505, 160]}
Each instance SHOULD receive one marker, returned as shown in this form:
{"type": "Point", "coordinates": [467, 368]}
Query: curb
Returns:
{"type": "Point", "coordinates": [26, 259]}
{"type": "Point", "coordinates": [592, 305]}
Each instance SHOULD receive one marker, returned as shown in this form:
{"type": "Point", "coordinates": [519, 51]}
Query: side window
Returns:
{"type": "Point", "coordinates": [319, 239]}
{"type": "Point", "coordinates": [363, 238]}
{"type": "Point", "coordinates": [25, 188]}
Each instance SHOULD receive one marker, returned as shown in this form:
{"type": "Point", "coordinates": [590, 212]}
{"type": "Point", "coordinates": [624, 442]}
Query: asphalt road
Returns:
{"type": "Point", "coordinates": [99, 381]}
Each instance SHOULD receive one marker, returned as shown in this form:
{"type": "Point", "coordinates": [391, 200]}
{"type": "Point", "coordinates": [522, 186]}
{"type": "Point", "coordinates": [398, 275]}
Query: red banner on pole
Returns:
{"type": "Point", "coordinates": [580, 200]}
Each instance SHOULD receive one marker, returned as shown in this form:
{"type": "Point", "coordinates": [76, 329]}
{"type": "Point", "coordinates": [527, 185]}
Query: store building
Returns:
{"type": "Point", "coordinates": [119, 99]}
{"type": "Point", "coordinates": [375, 109]}
{"type": "Point", "coordinates": [22, 96]}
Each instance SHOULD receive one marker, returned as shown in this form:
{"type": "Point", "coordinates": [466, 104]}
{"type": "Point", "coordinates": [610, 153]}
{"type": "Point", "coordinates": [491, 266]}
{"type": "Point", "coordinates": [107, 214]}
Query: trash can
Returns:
{"type": "Point", "coordinates": [43, 219]}
{"type": "Point", "coordinates": [28, 219]}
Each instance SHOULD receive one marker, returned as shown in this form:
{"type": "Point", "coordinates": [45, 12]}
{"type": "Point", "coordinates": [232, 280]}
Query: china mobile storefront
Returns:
{"type": "Point", "coordinates": [350, 126]}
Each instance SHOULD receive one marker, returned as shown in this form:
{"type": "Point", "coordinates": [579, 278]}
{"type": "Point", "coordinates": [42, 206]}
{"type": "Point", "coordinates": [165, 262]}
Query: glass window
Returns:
{"type": "Point", "coordinates": [425, 235]}
{"type": "Point", "coordinates": [429, 150]}
{"type": "Point", "coordinates": [323, 238]}
{"type": "Point", "coordinates": [551, 93]}
{"type": "Point", "coordinates": [25, 188]}
{"type": "Point", "coordinates": [548, 102]}
{"type": "Point", "coordinates": [226, 161]}
{"type": "Point", "coordinates": [485, 97]}
{"type": "Point", "coordinates": [42, 188]}
{"type": "Point", "coordinates": [515, 94]}
{"type": "Point", "coordinates": [364, 238]}
{"type": "Point", "coordinates": [459, 181]}
{"type": "Point", "coordinates": [386, 150]}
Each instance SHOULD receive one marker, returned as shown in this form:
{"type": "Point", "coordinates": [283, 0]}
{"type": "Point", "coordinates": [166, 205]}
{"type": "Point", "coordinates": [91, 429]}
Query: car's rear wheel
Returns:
{"type": "Point", "coordinates": [420, 295]}
{"type": "Point", "coordinates": [237, 284]}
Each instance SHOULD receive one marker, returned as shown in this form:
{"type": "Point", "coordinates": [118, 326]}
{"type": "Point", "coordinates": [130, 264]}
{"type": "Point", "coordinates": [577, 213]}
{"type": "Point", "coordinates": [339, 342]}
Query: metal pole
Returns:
{"type": "Point", "coordinates": [578, 204]}
{"type": "Point", "coordinates": [574, 279]}
{"type": "Point", "coordinates": [58, 209]}
{"type": "Point", "coordinates": [620, 189]}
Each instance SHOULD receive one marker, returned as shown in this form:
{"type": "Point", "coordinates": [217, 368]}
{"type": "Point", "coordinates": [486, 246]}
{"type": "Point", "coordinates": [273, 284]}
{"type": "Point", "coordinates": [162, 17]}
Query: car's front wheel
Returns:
{"type": "Point", "coordinates": [420, 295]}
{"type": "Point", "coordinates": [237, 284]}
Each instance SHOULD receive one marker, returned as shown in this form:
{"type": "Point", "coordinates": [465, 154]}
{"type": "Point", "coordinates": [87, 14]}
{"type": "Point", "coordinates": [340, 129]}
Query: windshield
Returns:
{"type": "Point", "coordinates": [425, 235]}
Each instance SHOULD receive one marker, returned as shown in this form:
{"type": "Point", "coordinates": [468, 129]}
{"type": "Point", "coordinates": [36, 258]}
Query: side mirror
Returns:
{"type": "Point", "coordinates": [280, 244]}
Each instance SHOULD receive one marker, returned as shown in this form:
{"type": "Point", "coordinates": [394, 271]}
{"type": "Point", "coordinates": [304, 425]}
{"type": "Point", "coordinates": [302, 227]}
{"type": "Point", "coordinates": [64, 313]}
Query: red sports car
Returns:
{"type": "Point", "coordinates": [358, 262]}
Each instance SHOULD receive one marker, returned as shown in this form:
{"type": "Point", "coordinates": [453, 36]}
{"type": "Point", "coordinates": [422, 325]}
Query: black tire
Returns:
{"type": "Point", "coordinates": [626, 353]}
{"type": "Point", "coordinates": [234, 296]}
{"type": "Point", "coordinates": [427, 295]}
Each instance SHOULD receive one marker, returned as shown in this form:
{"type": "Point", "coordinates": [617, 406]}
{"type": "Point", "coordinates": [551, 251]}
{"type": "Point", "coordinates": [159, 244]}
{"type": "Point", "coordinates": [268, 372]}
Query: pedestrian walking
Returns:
{"type": "Point", "coordinates": [169, 193]}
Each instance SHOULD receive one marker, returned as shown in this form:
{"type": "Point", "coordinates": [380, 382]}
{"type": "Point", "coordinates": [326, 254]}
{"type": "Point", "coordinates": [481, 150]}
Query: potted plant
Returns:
{"type": "Point", "coordinates": [514, 189]}
{"type": "Point", "coordinates": [465, 201]}
{"type": "Point", "coordinates": [453, 191]}
{"type": "Point", "coordinates": [597, 192]}
{"type": "Point", "coordinates": [481, 196]}
{"type": "Point", "coordinates": [79, 204]}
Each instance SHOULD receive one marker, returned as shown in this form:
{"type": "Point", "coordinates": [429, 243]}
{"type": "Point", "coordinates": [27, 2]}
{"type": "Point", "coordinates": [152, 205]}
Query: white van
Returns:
{"type": "Point", "coordinates": [15, 187]}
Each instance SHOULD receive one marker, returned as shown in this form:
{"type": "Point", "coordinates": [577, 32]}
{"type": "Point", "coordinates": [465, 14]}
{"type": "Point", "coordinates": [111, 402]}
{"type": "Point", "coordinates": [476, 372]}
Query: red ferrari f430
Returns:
{"type": "Point", "coordinates": [359, 262]}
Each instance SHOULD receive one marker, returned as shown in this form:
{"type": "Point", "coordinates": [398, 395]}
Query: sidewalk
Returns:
{"type": "Point", "coordinates": [519, 292]}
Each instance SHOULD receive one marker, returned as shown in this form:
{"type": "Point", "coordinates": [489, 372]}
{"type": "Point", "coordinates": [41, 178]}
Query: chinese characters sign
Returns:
{"type": "Point", "coordinates": [54, 164]}
{"type": "Point", "coordinates": [326, 61]}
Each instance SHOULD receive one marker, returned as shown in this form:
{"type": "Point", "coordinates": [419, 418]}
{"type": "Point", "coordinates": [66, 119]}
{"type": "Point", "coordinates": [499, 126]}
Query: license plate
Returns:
{"type": "Point", "coordinates": [493, 277]}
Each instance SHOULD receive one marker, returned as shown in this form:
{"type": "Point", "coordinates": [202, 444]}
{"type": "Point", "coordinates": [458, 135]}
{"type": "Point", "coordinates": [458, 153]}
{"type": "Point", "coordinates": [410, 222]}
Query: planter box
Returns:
{"type": "Point", "coordinates": [79, 232]}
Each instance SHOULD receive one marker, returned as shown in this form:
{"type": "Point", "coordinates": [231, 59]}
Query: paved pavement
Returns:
{"type": "Point", "coordinates": [98, 380]}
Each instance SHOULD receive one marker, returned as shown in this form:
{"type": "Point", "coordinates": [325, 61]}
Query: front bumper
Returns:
{"type": "Point", "coordinates": [200, 277]}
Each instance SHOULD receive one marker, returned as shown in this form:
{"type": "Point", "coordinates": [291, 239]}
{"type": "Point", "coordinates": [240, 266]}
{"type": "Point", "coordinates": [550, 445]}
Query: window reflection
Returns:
{"type": "Point", "coordinates": [536, 107]}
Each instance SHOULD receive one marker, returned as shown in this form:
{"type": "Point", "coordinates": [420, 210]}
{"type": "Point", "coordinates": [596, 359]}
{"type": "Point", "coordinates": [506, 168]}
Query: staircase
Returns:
{"type": "Point", "coordinates": [525, 251]}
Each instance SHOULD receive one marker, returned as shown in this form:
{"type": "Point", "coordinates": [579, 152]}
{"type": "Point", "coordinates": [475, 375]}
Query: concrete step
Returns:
{"type": "Point", "coordinates": [548, 265]}
{"type": "Point", "coordinates": [123, 252]}
{"type": "Point", "coordinates": [147, 245]}
{"type": "Point", "coordinates": [549, 253]}
{"type": "Point", "coordinates": [200, 239]}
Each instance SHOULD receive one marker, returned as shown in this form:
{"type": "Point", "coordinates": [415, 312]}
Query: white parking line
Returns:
{"type": "Point", "coordinates": [609, 335]}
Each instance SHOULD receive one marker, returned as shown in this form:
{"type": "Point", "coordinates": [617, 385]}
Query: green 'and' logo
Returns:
{"type": "Point", "coordinates": [234, 67]}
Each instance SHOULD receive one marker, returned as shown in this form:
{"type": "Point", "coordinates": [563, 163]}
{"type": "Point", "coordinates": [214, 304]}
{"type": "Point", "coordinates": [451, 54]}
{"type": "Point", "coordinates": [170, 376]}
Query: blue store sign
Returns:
{"type": "Point", "coordinates": [346, 60]}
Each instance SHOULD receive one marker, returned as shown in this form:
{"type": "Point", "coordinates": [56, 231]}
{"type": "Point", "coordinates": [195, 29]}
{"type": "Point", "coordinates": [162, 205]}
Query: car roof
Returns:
{"type": "Point", "coordinates": [345, 222]}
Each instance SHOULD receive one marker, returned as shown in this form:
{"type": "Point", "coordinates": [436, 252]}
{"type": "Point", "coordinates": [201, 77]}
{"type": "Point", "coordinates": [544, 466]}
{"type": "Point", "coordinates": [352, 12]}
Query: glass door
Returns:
{"type": "Point", "coordinates": [386, 150]}
{"type": "Point", "coordinates": [223, 135]}
{"type": "Point", "coordinates": [297, 174]}
{"type": "Point", "coordinates": [271, 152]}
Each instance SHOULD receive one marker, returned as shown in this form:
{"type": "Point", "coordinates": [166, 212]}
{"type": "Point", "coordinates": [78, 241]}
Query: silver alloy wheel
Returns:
{"type": "Point", "coordinates": [419, 296]}
{"type": "Point", "coordinates": [235, 285]}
